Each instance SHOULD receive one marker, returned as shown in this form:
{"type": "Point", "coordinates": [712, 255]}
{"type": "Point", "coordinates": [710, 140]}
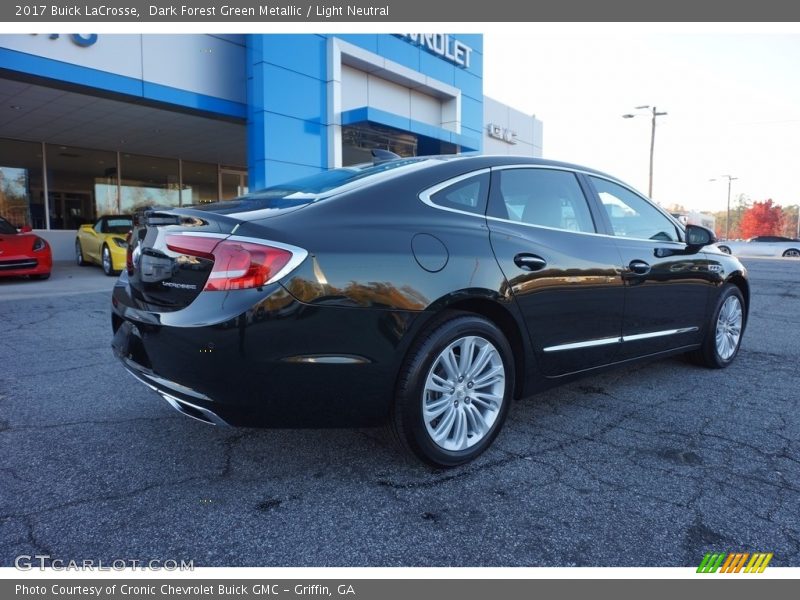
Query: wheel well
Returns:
{"type": "Point", "coordinates": [508, 325]}
{"type": "Point", "coordinates": [740, 282]}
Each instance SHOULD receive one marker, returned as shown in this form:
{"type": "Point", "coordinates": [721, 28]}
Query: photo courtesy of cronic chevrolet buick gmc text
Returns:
{"type": "Point", "coordinates": [424, 293]}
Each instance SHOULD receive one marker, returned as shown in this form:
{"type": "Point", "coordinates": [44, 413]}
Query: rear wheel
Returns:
{"type": "Point", "coordinates": [79, 254]}
{"type": "Point", "coordinates": [108, 266]}
{"type": "Point", "coordinates": [792, 253]}
{"type": "Point", "coordinates": [724, 332]}
{"type": "Point", "coordinates": [454, 391]}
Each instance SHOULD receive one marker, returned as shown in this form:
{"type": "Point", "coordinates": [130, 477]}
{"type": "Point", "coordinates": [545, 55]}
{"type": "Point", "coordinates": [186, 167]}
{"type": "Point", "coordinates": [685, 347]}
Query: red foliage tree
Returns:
{"type": "Point", "coordinates": [763, 218]}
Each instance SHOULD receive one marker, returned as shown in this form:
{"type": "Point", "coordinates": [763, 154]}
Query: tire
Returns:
{"type": "Point", "coordinates": [724, 249]}
{"type": "Point", "coordinates": [79, 255]}
{"type": "Point", "coordinates": [40, 277]}
{"type": "Point", "coordinates": [791, 252]}
{"type": "Point", "coordinates": [724, 331]}
{"type": "Point", "coordinates": [106, 262]}
{"type": "Point", "coordinates": [470, 423]}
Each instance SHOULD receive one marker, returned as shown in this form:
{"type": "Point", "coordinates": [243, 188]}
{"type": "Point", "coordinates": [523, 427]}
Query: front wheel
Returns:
{"type": "Point", "coordinates": [791, 253]}
{"type": "Point", "coordinates": [724, 332]}
{"type": "Point", "coordinates": [79, 254]}
{"type": "Point", "coordinates": [454, 391]}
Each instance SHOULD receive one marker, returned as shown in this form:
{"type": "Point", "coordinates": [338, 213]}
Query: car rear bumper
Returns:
{"type": "Point", "coordinates": [264, 359]}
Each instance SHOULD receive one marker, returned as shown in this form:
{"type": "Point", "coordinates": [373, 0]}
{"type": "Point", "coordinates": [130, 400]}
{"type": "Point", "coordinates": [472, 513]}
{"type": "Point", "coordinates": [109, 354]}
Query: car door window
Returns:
{"type": "Point", "coordinates": [631, 215]}
{"type": "Point", "coordinates": [467, 194]}
{"type": "Point", "coordinates": [542, 197]}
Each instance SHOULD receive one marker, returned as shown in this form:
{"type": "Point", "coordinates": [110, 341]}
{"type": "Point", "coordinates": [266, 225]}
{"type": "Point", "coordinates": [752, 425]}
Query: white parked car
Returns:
{"type": "Point", "coordinates": [763, 245]}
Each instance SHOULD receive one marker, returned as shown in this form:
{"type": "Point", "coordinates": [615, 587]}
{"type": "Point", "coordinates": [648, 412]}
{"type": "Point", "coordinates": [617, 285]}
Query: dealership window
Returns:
{"type": "Point", "coordinates": [81, 185]}
{"type": "Point", "coordinates": [148, 181]}
{"type": "Point", "coordinates": [21, 196]}
{"type": "Point", "coordinates": [199, 183]}
{"type": "Point", "coordinates": [359, 141]}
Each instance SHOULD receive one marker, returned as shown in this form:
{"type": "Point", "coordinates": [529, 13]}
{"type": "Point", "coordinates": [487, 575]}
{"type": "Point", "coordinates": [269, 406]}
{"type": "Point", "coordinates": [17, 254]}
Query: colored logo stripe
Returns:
{"type": "Point", "coordinates": [733, 562]}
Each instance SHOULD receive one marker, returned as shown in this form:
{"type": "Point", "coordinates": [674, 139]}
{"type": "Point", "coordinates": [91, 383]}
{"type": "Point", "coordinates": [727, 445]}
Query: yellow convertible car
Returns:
{"type": "Point", "coordinates": [104, 243]}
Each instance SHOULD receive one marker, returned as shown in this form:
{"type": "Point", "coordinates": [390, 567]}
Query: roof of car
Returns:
{"type": "Point", "coordinates": [491, 160]}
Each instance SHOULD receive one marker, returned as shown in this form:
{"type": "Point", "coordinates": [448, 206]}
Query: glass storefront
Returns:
{"type": "Point", "coordinates": [21, 196]}
{"type": "Point", "coordinates": [81, 185]}
{"type": "Point", "coordinates": [84, 184]}
{"type": "Point", "coordinates": [359, 141]}
{"type": "Point", "coordinates": [148, 181]}
{"type": "Point", "coordinates": [200, 183]}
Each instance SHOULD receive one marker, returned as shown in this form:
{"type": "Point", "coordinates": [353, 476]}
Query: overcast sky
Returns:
{"type": "Point", "coordinates": [733, 101]}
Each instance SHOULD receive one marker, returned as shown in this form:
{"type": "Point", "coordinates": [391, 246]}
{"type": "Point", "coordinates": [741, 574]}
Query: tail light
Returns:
{"type": "Point", "coordinates": [129, 253]}
{"type": "Point", "coordinates": [238, 264]}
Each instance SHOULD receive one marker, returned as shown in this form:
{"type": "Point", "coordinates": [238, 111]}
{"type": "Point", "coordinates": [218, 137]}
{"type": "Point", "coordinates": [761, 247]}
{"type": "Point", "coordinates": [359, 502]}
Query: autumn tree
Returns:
{"type": "Point", "coordinates": [739, 206]}
{"type": "Point", "coordinates": [763, 218]}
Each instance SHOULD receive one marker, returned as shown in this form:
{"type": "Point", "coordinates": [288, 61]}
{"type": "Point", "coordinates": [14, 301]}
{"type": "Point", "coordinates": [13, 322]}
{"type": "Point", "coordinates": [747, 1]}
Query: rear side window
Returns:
{"type": "Point", "coordinates": [631, 215]}
{"type": "Point", "coordinates": [467, 194]}
{"type": "Point", "coordinates": [543, 197]}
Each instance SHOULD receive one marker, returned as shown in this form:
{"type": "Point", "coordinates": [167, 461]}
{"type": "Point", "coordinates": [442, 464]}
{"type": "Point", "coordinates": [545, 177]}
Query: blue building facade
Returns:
{"type": "Point", "coordinates": [301, 88]}
{"type": "Point", "coordinates": [105, 124]}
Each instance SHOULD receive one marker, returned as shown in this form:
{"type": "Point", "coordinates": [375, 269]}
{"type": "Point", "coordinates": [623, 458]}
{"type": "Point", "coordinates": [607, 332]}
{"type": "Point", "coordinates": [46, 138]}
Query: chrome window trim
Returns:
{"type": "Point", "coordinates": [425, 195]}
{"type": "Point", "coordinates": [619, 340]}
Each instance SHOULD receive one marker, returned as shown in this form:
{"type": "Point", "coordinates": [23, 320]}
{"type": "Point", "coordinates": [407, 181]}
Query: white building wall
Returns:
{"type": "Point", "coordinates": [508, 131]}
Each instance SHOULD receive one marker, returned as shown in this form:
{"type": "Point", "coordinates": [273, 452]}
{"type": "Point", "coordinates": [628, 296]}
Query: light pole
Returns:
{"type": "Point", "coordinates": [797, 235]}
{"type": "Point", "coordinates": [654, 115]}
{"type": "Point", "coordinates": [728, 213]}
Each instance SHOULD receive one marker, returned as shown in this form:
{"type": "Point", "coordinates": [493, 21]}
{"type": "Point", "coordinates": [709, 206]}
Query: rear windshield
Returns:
{"type": "Point", "coordinates": [309, 189]}
{"type": "Point", "coordinates": [119, 225]}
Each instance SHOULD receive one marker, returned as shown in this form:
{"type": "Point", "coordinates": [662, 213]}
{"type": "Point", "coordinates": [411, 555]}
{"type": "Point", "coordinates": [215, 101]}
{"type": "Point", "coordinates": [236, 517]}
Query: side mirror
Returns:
{"type": "Point", "coordinates": [25, 229]}
{"type": "Point", "coordinates": [697, 236]}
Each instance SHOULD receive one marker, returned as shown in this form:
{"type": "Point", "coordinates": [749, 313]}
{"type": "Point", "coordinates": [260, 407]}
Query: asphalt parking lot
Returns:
{"type": "Point", "coordinates": [651, 465]}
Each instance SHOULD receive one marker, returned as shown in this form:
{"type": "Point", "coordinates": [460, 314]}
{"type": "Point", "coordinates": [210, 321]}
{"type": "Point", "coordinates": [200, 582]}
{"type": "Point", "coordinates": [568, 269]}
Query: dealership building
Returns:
{"type": "Point", "coordinates": [95, 124]}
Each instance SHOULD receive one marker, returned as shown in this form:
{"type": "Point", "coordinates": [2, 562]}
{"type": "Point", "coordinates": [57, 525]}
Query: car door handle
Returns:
{"type": "Point", "coordinates": [639, 267]}
{"type": "Point", "coordinates": [530, 262]}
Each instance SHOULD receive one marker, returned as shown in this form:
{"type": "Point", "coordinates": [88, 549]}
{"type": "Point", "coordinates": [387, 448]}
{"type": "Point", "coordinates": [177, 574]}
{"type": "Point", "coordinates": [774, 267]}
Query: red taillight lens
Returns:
{"type": "Point", "coordinates": [129, 253]}
{"type": "Point", "coordinates": [237, 265]}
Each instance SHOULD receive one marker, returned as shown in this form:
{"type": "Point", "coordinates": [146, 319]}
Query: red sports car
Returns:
{"type": "Point", "coordinates": [23, 253]}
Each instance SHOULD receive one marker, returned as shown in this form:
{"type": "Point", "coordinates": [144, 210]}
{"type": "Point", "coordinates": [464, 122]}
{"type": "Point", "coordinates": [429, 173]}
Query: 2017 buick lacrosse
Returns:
{"type": "Point", "coordinates": [425, 293]}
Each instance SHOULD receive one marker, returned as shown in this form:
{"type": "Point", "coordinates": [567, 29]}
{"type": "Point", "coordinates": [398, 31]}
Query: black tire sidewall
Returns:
{"type": "Point", "coordinates": [410, 395]}
{"type": "Point", "coordinates": [711, 338]}
{"type": "Point", "coordinates": [78, 253]}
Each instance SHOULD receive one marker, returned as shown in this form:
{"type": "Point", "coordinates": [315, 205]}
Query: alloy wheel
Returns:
{"type": "Point", "coordinates": [729, 327]}
{"type": "Point", "coordinates": [107, 261]}
{"type": "Point", "coordinates": [463, 393]}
